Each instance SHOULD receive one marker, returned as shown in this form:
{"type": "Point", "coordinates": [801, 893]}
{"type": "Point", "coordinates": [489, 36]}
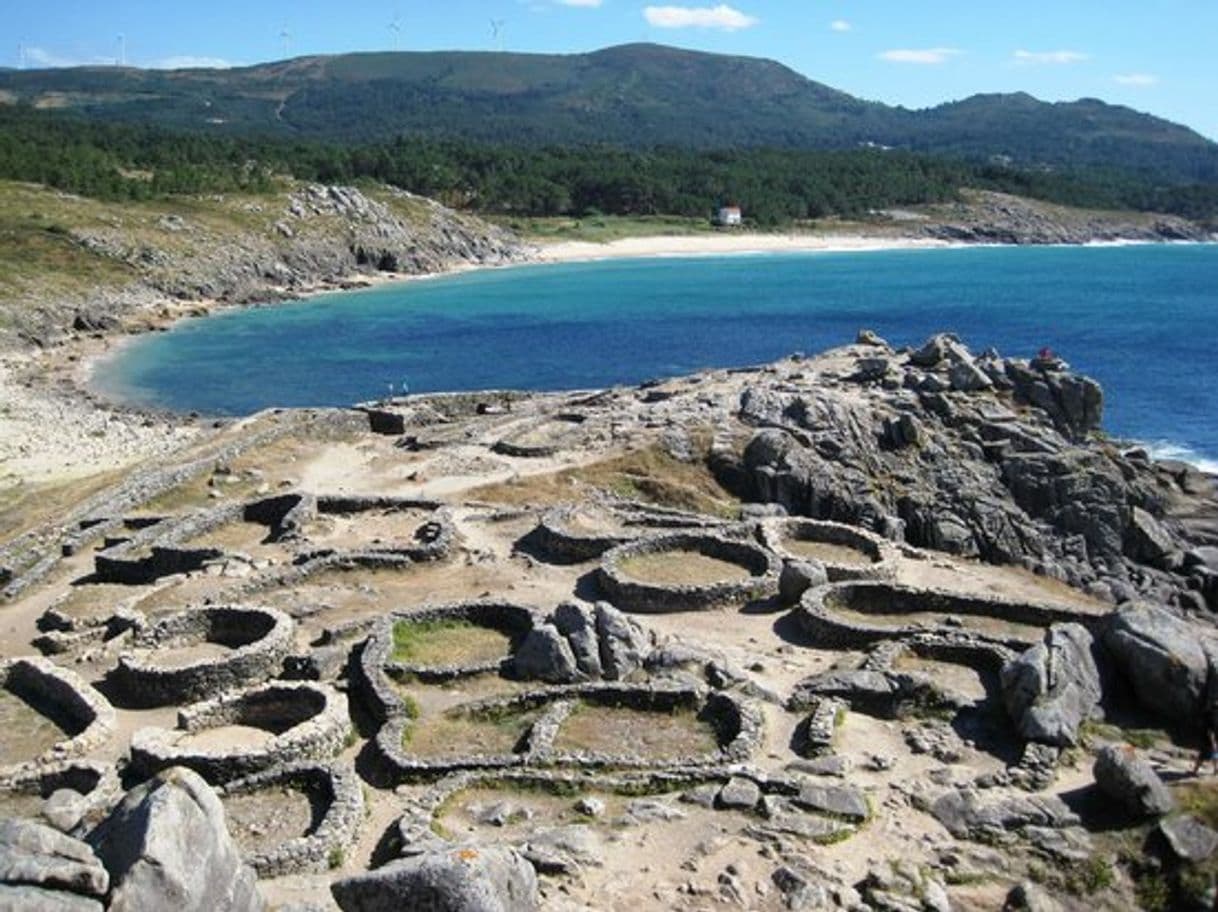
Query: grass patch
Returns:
{"type": "Point", "coordinates": [603, 229]}
{"type": "Point", "coordinates": [681, 568]}
{"type": "Point", "coordinates": [1093, 731]}
{"type": "Point", "coordinates": [650, 475]}
{"type": "Point", "coordinates": [447, 642]}
{"type": "Point", "coordinates": [25, 506]}
{"type": "Point", "coordinates": [1199, 799]}
{"type": "Point", "coordinates": [1086, 877]}
{"type": "Point", "coordinates": [620, 730]}
{"type": "Point", "coordinates": [461, 733]}
{"type": "Point", "coordinates": [827, 552]}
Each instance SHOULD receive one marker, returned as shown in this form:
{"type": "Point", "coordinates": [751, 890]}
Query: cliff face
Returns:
{"type": "Point", "coordinates": [232, 250]}
{"type": "Point", "coordinates": [326, 234]}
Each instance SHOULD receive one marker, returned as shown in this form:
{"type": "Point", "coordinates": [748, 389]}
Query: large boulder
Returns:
{"type": "Point", "coordinates": [624, 646]}
{"type": "Point", "coordinates": [1165, 659]}
{"type": "Point", "coordinates": [166, 846]}
{"type": "Point", "coordinates": [1128, 779]}
{"type": "Point", "coordinates": [578, 624]}
{"type": "Point", "coordinates": [469, 879]}
{"type": "Point", "coordinates": [938, 348]}
{"type": "Point", "coordinates": [1146, 540]}
{"type": "Point", "coordinates": [545, 655]}
{"type": "Point", "coordinates": [967, 814]}
{"type": "Point", "coordinates": [1188, 838]}
{"type": "Point", "coordinates": [21, 898]}
{"type": "Point", "coordinates": [1054, 687]}
{"type": "Point", "coordinates": [40, 864]}
{"type": "Point", "coordinates": [798, 576]}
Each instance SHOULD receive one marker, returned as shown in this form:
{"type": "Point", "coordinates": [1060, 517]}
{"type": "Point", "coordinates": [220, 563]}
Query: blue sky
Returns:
{"type": "Point", "coordinates": [1157, 57]}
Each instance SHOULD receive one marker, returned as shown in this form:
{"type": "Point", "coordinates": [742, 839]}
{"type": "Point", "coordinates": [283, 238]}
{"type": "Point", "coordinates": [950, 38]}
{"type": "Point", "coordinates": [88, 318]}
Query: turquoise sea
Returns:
{"type": "Point", "coordinates": [1140, 319]}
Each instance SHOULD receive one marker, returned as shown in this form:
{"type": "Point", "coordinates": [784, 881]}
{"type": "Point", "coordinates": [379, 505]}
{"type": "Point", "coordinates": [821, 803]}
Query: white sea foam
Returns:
{"type": "Point", "coordinates": [1168, 449]}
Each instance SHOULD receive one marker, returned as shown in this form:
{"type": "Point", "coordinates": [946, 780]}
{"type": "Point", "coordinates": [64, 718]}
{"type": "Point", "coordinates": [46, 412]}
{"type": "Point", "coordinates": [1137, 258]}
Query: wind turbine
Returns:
{"type": "Point", "coordinates": [497, 32]}
{"type": "Point", "coordinates": [286, 37]}
{"type": "Point", "coordinates": [122, 50]}
{"type": "Point", "coordinates": [395, 29]}
{"type": "Point", "coordinates": [21, 56]}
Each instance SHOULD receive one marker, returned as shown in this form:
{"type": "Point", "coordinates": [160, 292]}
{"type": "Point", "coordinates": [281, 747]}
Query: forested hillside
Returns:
{"type": "Point", "coordinates": [634, 96]}
{"type": "Point", "coordinates": [774, 185]}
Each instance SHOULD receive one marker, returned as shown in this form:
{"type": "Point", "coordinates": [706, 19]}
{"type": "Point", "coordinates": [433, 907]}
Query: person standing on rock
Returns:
{"type": "Point", "coordinates": [1209, 746]}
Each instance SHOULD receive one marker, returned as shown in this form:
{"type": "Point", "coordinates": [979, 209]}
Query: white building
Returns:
{"type": "Point", "coordinates": [729, 216]}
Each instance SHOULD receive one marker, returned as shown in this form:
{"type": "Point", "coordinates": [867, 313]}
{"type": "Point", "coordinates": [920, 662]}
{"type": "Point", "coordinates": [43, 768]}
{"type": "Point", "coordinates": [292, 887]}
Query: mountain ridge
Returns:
{"type": "Point", "coordinates": [633, 95]}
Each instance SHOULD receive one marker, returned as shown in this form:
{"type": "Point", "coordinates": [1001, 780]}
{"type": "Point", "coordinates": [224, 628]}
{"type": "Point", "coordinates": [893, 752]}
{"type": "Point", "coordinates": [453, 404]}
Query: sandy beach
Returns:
{"type": "Point", "coordinates": [727, 243]}
{"type": "Point", "coordinates": [53, 428]}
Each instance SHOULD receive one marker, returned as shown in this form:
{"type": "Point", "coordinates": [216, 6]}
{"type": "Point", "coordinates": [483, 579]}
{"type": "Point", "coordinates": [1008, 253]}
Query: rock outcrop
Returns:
{"type": "Point", "coordinates": [580, 642]}
{"type": "Point", "coordinates": [916, 445]}
{"type": "Point", "coordinates": [1166, 661]}
{"type": "Point", "coordinates": [1054, 687]}
{"type": "Point", "coordinates": [1125, 777]}
{"type": "Point", "coordinates": [470, 879]}
{"type": "Point", "coordinates": [166, 847]}
{"type": "Point", "coordinates": [42, 869]}
{"type": "Point", "coordinates": [999, 218]}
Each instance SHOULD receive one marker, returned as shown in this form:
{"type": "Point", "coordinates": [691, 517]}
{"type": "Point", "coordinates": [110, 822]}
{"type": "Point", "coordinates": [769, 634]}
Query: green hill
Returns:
{"type": "Point", "coordinates": [632, 96]}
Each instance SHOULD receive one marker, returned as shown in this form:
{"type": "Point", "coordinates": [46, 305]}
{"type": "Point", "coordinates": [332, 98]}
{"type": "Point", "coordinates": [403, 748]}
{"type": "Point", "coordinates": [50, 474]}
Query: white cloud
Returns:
{"type": "Point", "coordinates": [190, 62]}
{"type": "Point", "coordinates": [840, 25]}
{"type": "Point", "coordinates": [1050, 57]}
{"type": "Point", "coordinates": [925, 56]}
{"type": "Point", "coordinates": [1136, 79]}
{"type": "Point", "coordinates": [43, 59]}
{"type": "Point", "coordinates": [721, 17]}
{"type": "Point", "coordinates": [588, 3]}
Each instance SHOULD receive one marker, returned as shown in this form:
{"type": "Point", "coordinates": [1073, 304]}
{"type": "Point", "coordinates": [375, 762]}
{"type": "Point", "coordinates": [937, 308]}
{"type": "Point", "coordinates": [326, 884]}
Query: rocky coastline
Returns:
{"type": "Point", "coordinates": [873, 629]}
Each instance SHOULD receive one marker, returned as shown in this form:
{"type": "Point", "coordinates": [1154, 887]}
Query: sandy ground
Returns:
{"type": "Point", "coordinates": [713, 244]}
{"type": "Point", "coordinates": [50, 433]}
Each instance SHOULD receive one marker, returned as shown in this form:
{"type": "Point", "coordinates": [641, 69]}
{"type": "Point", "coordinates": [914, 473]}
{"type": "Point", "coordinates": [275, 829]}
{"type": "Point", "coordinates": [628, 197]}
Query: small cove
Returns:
{"type": "Point", "coordinates": [1138, 318]}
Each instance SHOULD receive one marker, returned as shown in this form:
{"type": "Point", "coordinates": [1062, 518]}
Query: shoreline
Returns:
{"type": "Point", "coordinates": [58, 425]}
{"type": "Point", "coordinates": [701, 245]}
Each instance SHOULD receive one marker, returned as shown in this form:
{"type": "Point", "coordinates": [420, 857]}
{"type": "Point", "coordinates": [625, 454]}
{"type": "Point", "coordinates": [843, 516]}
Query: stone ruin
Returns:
{"type": "Point", "coordinates": [609, 700]}
{"type": "Point", "coordinates": [760, 566]}
{"type": "Point", "coordinates": [241, 646]}
{"type": "Point", "coordinates": [302, 721]}
{"type": "Point", "coordinates": [81, 719]}
{"type": "Point", "coordinates": [580, 532]}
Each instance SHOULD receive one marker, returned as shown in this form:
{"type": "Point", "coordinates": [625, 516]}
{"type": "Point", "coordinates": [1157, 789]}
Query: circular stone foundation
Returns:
{"type": "Point", "coordinates": [591, 726]}
{"type": "Point", "coordinates": [686, 571]}
{"type": "Point", "coordinates": [89, 786]}
{"type": "Point", "coordinates": [584, 531]}
{"type": "Point", "coordinates": [515, 806]}
{"type": "Point", "coordinates": [202, 651]}
{"type": "Point", "coordinates": [47, 714]}
{"type": "Point", "coordinates": [542, 439]}
{"type": "Point", "coordinates": [451, 641]}
{"type": "Point", "coordinates": [963, 669]}
{"type": "Point", "coordinates": [858, 614]}
{"type": "Point", "coordinates": [848, 553]}
{"type": "Point", "coordinates": [312, 834]}
{"type": "Point", "coordinates": [371, 527]}
{"type": "Point", "coordinates": [242, 733]}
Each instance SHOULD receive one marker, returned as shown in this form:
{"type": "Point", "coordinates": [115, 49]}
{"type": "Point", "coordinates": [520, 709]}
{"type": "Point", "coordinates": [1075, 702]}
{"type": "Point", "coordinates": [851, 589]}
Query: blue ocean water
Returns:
{"type": "Point", "coordinates": [1140, 319]}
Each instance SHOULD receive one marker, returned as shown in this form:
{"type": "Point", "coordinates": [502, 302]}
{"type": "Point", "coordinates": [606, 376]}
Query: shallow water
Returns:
{"type": "Point", "coordinates": [1139, 318]}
